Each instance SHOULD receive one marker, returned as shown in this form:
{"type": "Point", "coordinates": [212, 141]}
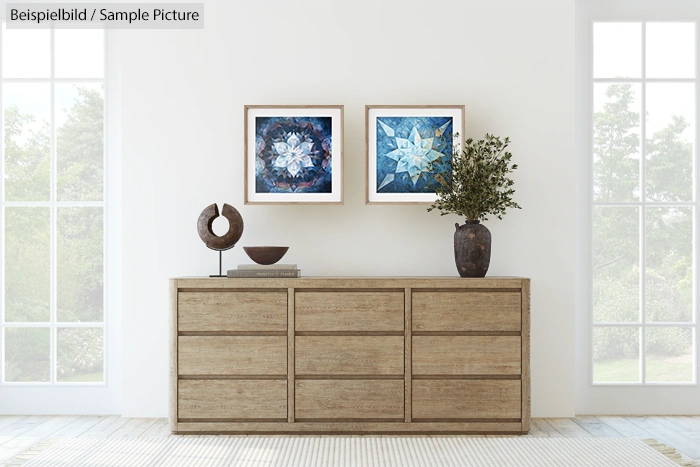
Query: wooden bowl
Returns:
{"type": "Point", "coordinates": [265, 254]}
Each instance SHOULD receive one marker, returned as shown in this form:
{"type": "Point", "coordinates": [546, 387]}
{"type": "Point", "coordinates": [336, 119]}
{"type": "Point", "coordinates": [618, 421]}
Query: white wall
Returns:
{"type": "Point", "coordinates": [510, 63]}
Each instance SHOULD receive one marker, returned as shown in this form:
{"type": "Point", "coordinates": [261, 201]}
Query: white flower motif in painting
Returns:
{"type": "Point", "coordinates": [294, 154]}
{"type": "Point", "coordinates": [414, 155]}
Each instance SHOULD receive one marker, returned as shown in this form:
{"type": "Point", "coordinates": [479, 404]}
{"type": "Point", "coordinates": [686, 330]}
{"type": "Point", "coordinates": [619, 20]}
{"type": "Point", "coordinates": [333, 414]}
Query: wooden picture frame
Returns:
{"type": "Point", "coordinates": [293, 154]}
{"type": "Point", "coordinates": [398, 162]}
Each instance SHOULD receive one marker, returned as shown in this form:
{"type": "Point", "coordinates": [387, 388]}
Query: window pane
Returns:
{"type": "Point", "coordinates": [669, 355]}
{"type": "Point", "coordinates": [27, 264]}
{"type": "Point", "coordinates": [616, 355]}
{"type": "Point", "coordinates": [669, 264]}
{"type": "Point", "coordinates": [79, 355]}
{"type": "Point", "coordinates": [670, 50]}
{"type": "Point", "coordinates": [27, 355]}
{"type": "Point", "coordinates": [79, 265]}
{"type": "Point", "coordinates": [79, 53]}
{"type": "Point", "coordinates": [617, 50]}
{"type": "Point", "coordinates": [26, 141]}
{"type": "Point", "coordinates": [79, 142]}
{"type": "Point", "coordinates": [616, 148]}
{"type": "Point", "coordinates": [670, 141]}
{"type": "Point", "coordinates": [615, 264]}
{"type": "Point", "coordinates": [26, 53]}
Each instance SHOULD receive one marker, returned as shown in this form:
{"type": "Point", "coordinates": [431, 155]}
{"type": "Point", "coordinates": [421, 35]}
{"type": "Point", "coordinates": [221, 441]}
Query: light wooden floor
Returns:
{"type": "Point", "coordinates": [18, 433]}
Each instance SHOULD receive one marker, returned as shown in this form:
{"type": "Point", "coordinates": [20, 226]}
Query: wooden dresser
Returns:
{"type": "Point", "coordinates": [350, 355]}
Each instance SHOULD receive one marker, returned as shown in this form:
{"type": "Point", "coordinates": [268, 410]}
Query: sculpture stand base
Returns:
{"type": "Point", "coordinates": [220, 271]}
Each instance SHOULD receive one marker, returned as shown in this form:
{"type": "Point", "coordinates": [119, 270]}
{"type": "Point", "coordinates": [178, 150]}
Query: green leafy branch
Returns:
{"type": "Point", "coordinates": [477, 183]}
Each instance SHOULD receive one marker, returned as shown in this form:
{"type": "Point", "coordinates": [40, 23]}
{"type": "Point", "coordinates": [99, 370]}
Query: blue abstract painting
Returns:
{"type": "Point", "coordinates": [410, 150]}
{"type": "Point", "coordinates": [293, 154]}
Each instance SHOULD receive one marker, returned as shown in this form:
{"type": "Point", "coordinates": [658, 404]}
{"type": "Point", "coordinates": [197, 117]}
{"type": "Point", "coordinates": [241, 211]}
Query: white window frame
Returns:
{"type": "Point", "coordinates": [76, 397]}
{"type": "Point", "coordinates": [642, 204]}
{"type": "Point", "coordinates": [642, 397]}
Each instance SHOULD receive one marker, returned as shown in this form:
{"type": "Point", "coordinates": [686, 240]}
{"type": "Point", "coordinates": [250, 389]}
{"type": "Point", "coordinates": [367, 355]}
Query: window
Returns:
{"type": "Point", "coordinates": [52, 311]}
{"type": "Point", "coordinates": [644, 203]}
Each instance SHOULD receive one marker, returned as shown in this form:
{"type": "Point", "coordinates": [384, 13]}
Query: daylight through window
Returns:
{"type": "Point", "coordinates": [53, 206]}
{"type": "Point", "coordinates": [644, 202]}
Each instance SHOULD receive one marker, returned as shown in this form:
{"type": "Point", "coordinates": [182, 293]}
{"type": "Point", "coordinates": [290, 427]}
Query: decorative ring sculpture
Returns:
{"type": "Point", "coordinates": [229, 239]}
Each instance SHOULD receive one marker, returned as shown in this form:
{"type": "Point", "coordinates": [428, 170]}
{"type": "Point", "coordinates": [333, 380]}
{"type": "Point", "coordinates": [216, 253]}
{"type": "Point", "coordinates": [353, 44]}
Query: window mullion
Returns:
{"type": "Point", "coordinates": [696, 233]}
{"type": "Point", "coordinates": [52, 216]}
{"type": "Point", "coordinates": [2, 223]}
{"type": "Point", "coordinates": [105, 223]}
{"type": "Point", "coordinates": [591, 194]}
{"type": "Point", "coordinates": [643, 212]}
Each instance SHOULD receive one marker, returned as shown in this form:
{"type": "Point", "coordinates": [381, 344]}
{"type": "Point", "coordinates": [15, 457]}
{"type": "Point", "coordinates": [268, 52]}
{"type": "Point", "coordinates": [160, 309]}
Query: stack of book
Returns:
{"type": "Point", "coordinates": [261, 270]}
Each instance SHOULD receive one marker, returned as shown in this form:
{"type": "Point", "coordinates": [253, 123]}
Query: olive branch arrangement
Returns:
{"type": "Point", "coordinates": [476, 183]}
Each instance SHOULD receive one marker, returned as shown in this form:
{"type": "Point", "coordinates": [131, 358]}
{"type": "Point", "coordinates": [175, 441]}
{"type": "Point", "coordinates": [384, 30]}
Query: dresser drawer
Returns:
{"type": "Point", "coordinates": [349, 355]}
{"type": "Point", "coordinates": [466, 355]}
{"type": "Point", "coordinates": [232, 355]}
{"type": "Point", "coordinates": [232, 311]}
{"type": "Point", "coordinates": [466, 311]}
{"type": "Point", "coordinates": [349, 399]}
{"type": "Point", "coordinates": [208, 399]}
{"type": "Point", "coordinates": [455, 399]}
{"type": "Point", "coordinates": [349, 311]}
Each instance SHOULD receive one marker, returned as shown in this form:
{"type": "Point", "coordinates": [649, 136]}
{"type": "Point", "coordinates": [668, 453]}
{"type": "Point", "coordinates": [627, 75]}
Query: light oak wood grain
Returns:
{"type": "Point", "coordinates": [160, 429]}
{"type": "Point", "coordinates": [408, 387]}
{"type": "Point", "coordinates": [525, 357]}
{"type": "Point", "coordinates": [232, 355]}
{"type": "Point", "coordinates": [349, 399]}
{"type": "Point", "coordinates": [466, 399]}
{"type": "Point", "coordinates": [544, 429]}
{"type": "Point", "coordinates": [17, 444]}
{"type": "Point", "coordinates": [232, 399]}
{"type": "Point", "coordinates": [568, 428]}
{"type": "Point", "coordinates": [349, 311]}
{"type": "Point", "coordinates": [172, 377]}
{"type": "Point", "coordinates": [108, 426]}
{"type": "Point", "coordinates": [349, 427]}
{"type": "Point", "coordinates": [466, 311]}
{"type": "Point", "coordinates": [624, 427]}
{"type": "Point", "coordinates": [467, 355]}
{"type": "Point", "coordinates": [291, 303]}
{"type": "Point", "coordinates": [597, 428]}
{"type": "Point", "coordinates": [82, 424]}
{"type": "Point", "coordinates": [134, 428]}
{"type": "Point", "coordinates": [348, 355]}
{"type": "Point", "coordinates": [232, 311]}
{"type": "Point", "coordinates": [351, 283]}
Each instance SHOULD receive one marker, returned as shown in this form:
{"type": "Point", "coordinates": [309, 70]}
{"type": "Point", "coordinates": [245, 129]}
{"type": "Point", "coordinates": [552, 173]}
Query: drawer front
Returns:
{"type": "Point", "coordinates": [349, 355]}
{"type": "Point", "coordinates": [466, 355]}
{"type": "Point", "coordinates": [349, 399]}
{"type": "Point", "coordinates": [232, 355]}
{"type": "Point", "coordinates": [232, 399]}
{"type": "Point", "coordinates": [349, 311]}
{"type": "Point", "coordinates": [466, 311]}
{"type": "Point", "coordinates": [232, 311]}
{"type": "Point", "coordinates": [452, 399]}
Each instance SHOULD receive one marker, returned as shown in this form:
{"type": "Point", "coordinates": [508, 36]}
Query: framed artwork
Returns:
{"type": "Point", "coordinates": [405, 146]}
{"type": "Point", "coordinates": [293, 154]}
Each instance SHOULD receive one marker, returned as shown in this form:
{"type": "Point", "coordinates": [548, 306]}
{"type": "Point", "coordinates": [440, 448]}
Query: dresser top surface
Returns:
{"type": "Point", "coordinates": [353, 282]}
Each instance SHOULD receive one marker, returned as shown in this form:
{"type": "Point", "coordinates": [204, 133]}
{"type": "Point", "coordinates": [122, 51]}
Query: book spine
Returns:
{"type": "Point", "coordinates": [268, 273]}
{"type": "Point", "coordinates": [265, 267]}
